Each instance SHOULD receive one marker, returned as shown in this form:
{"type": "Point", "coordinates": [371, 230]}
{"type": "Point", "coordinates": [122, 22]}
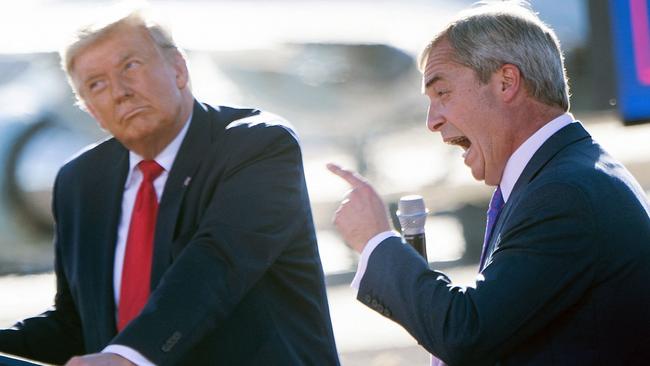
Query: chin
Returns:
{"type": "Point", "coordinates": [478, 175]}
{"type": "Point", "coordinates": [491, 182]}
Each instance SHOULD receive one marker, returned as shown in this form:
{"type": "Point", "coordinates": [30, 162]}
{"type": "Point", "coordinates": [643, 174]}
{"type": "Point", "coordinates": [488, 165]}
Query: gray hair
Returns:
{"type": "Point", "coordinates": [487, 36]}
{"type": "Point", "coordinates": [90, 34]}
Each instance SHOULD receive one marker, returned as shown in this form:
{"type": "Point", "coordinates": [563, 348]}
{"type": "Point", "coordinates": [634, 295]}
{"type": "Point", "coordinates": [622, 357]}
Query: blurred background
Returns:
{"type": "Point", "coordinates": [344, 73]}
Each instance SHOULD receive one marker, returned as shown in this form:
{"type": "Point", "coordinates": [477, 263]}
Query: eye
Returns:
{"type": "Point", "coordinates": [96, 86]}
{"type": "Point", "coordinates": [131, 65]}
{"type": "Point", "coordinates": [442, 92]}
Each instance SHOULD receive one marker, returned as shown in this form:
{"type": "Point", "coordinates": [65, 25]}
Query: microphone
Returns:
{"type": "Point", "coordinates": [412, 215]}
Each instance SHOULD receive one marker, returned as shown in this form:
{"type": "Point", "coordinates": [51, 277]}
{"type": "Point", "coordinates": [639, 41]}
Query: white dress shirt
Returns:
{"type": "Point", "coordinates": [165, 159]}
{"type": "Point", "coordinates": [514, 167]}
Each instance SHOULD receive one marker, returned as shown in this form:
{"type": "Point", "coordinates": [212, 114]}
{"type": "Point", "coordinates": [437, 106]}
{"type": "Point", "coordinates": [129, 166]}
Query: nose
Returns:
{"type": "Point", "coordinates": [434, 120]}
{"type": "Point", "coordinates": [120, 88]}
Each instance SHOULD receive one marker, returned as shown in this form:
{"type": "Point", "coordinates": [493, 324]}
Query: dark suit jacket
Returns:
{"type": "Point", "coordinates": [567, 281]}
{"type": "Point", "coordinates": [236, 277]}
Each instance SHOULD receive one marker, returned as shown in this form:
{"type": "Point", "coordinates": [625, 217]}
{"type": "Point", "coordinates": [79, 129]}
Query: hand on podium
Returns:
{"type": "Point", "coordinates": [99, 359]}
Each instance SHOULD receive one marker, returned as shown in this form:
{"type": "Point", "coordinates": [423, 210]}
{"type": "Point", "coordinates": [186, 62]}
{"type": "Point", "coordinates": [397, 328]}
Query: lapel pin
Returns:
{"type": "Point", "coordinates": [187, 181]}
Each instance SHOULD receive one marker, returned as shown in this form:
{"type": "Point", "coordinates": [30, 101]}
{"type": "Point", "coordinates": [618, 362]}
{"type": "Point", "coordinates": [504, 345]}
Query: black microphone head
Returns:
{"type": "Point", "coordinates": [412, 214]}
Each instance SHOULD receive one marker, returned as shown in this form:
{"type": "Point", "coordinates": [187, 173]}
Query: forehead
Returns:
{"type": "Point", "coordinates": [110, 48]}
{"type": "Point", "coordinates": [440, 64]}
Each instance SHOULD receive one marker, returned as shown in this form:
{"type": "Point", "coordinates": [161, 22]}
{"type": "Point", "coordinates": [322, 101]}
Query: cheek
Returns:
{"type": "Point", "coordinates": [97, 110]}
{"type": "Point", "coordinates": [479, 164]}
{"type": "Point", "coordinates": [163, 88]}
{"type": "Point", "coordinates": [483, 151]}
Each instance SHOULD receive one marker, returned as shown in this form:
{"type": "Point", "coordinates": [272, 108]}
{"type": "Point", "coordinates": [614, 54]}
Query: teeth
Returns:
{"type": "Point", "coordinates": [455, 140]}
{"type": "Point", "coordinates": [461, 141]}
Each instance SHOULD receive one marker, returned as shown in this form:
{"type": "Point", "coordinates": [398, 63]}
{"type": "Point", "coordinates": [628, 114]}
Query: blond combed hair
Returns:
{"type": "Point", "coordinates": [121, 16]}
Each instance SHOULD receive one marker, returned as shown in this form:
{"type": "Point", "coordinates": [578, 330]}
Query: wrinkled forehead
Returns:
{"type": "Point", "coordinates": [110, 50]}
{"type": "Point", "coordinates": [438, 59]}
{"type": "Point", "coordinates": [118, 31]}
{"type": "Point", "coordinates": [427, 73]}
{"type": "Point", "coordinates": [112, 43]}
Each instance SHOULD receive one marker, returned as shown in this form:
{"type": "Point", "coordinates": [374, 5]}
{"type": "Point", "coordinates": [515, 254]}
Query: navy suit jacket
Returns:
{"type": "Point", "coordinates": [567, 280]}
{"type": "Point", "coordinates": [236, 277]}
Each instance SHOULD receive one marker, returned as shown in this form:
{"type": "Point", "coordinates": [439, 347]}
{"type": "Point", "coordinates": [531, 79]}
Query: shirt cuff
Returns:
{"type": "Point", "coordinates": [365, 254]}
{"type": "Point", "coordinates": [128, 353]}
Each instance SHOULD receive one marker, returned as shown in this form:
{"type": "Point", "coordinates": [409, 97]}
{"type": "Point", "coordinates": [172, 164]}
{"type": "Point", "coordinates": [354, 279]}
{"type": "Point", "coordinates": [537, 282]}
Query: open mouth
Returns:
{"type": "Point", "coordinates": [461, 141]}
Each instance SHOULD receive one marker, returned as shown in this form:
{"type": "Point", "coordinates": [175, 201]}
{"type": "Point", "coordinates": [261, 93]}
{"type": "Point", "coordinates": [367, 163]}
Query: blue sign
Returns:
{"type": "Point", "coordinates": [631, 36]}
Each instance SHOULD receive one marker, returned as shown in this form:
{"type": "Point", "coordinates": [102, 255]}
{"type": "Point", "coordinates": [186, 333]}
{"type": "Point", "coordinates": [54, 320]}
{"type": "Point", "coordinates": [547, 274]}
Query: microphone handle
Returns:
{"type": "Point", "coordinates": [419, 243]}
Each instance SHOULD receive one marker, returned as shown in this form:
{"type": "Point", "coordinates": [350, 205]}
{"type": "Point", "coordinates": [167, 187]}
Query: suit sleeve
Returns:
{"type": "Point", "coordinates": [252, 215]}
{"type": "Point", "coordinates": [55, 335]}
{"type": "Point", "coordinates": [544, 263]}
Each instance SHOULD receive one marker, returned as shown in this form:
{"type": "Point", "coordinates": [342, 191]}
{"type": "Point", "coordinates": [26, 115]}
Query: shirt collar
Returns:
{"type": "Point", "coordinates": [520, 158]}
{"type": "Point", "coordinates": [165, 158]}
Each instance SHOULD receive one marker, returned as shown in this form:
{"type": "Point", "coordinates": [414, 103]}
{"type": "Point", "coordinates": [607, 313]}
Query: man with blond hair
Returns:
{"type": "Point", "coordinates": [565, 271]}
{"type": "Point", "coordinates": [187, 237]}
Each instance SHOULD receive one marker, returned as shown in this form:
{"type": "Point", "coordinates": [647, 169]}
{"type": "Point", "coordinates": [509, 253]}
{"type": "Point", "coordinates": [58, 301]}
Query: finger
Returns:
{"type": "Point", "coordinates": [351, 177]}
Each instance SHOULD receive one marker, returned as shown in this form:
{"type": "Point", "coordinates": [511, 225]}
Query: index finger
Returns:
{"type": "Point", "coordinates": [349, 176]}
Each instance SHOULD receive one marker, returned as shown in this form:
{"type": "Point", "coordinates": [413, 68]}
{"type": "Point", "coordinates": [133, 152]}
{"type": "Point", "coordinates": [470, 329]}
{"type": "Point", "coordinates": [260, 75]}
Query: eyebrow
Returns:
{"type": "Point", "coordinates": [124, 57]}
{"type": "Point", "coordinates": [84, 83]}
{"type": "Point", "coordinates": [94, 75]}
{"type": "Point", "coordinates": [432, 81]}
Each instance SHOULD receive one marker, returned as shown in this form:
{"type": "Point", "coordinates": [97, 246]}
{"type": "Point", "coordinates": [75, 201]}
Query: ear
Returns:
{"type": "Point", "coordinates": [180, 67]}
{"type": "Point", "coordinates": [510, 82]}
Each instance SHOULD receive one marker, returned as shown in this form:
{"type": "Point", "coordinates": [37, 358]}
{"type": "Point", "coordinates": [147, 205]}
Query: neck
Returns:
{"type": "Point", "coordinates": [531, 118]}
{"type": "Point", "coordinates": [523, 121]}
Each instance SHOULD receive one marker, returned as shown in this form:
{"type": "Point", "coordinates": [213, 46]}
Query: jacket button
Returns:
{"type": "Point", "coordinates": [367, 298]}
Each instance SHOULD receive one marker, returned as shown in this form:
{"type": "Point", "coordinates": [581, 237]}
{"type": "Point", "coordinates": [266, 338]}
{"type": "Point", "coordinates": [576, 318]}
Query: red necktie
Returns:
{"type": "Point", "coordinates": [136, 272]}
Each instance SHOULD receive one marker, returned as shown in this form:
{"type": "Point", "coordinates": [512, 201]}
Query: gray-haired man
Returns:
{"type": "Point", "coordinates": [565, 275]}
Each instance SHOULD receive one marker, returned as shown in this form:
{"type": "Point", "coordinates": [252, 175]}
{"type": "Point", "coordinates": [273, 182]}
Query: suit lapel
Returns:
{"type": "Point", "coordinates": [187, 161]}
{"type": "Point", "coordinates": [108, 188]}
{"type": "Point", "coordinates": [551, 147]}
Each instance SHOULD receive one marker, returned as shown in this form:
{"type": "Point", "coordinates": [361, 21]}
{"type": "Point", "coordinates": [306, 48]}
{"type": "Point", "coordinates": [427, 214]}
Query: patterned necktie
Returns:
{"type": "Point", "coordinates": [136, 272]}
{"type": "Point", "coordinates": [496, 204]}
